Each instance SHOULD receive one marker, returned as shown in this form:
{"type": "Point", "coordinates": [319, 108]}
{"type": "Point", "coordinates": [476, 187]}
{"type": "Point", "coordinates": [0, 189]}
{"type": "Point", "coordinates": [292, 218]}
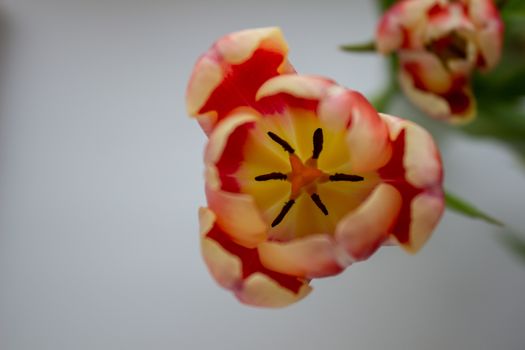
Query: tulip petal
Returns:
{"type": "Point", "coordinates": [421, 158]}
{"type": "Point", "coordinates": [367, 135]}
{"type": "Point", "coordinates": [435, 90]}
{"type": "Point", "coordinates": [237, 213]}
{"type": "Point", "coordinates": [262, 291]}
{"type": "Point", "coordinates": [302, 86]}
{"type": "Point", "coordinates": [239, 216]}
{"type": "Point", "coordinates": [240, 270]}
{"type": "Point", "coordinates": [443, 20]}
{"type": "Point", "coordinates": [490, 35]}
{"type": "Point", "coordinates": [415, 170]}
{"type": "Point", "coordinates": [390, 36]}
{"type": "Point", "coordinates": [220, 138]}
{"type": "Point", "coordinates": [230, 73]}
{"type": "Point", "coordinates": [426, 209]}
{"type": "Point", "coordinates": [363, 231]}
{"type": "Point", "coordinates": [225, 267]}
{"type": "Point", "coordinates": [402, 25]}
{"type": "Point", "coordinates": [427, 70]}
{"type": "Point", "coordinates": [312, 256]}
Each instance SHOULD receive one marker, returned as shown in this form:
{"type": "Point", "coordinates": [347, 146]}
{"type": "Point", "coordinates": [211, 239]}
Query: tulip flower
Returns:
{"type": "Point", "coordinates": [439, 44]}
{"type": "Point", "coordinates": [303, 177]}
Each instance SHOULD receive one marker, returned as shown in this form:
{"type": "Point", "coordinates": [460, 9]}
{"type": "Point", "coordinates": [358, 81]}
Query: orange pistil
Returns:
{"type": "Point", "coordinates": [304, 175]}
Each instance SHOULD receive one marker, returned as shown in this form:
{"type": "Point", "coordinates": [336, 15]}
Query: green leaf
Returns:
{"type": "Point", "coordinates": [514, 243]}
{"type": "Point", "coordinates": [512, 7]}
{"type": "Point", "coordinates": [385, 4]}
{"type": "Point", "coordinates": [363, 47]}
{"type": "Point", "coordinates": [498, 118]}
{"type": "Point", "coordinates": [506, 80]}
{"type": "Point", "coordinates": [461, 206]}
{"type": "Point", "coordinates": [382, 101]}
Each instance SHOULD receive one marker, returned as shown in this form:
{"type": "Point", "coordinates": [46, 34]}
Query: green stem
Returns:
{"type": "Point", "coordinates": [500, 4]}
{"type": "Point", "coordinates": [363, 47]}
{"type": "Point", "coordinates": [383, 99]}
{"type": "Point", "coordinates": [461, 206]}
{"type": "Point", "coordinates": [514, 243]}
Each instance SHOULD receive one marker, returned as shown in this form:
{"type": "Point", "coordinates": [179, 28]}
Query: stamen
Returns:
{"type": "Point", "coordinates": [287, 206]}
{"type": "Point", "coordinates": [345, 177]}
{"type": "Point", "coordinates": [281, 142]}
{"type": "Point", "coordinates": [271, 176]}
{"type": "Point", "coordinates": [317, 200]}
{"type": "Point", "coordinates": [318, 143]}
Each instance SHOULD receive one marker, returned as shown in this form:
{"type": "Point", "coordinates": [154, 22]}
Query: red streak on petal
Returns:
{"type": "Point", "coordinates": [458, 100]}
{"type": "Point", "coordinates": [242, 82]}
{"type": "Point", "coordinates": [284, 99]}
{"type": "Point", "coordinates": [394, 173]}
{"type": "Point", "coordinates": [390, 24]}
{"type": "Point", "coordinates": [481, 62]}
{"type": "Point", "coordinates": [437, 10]}
{"type": "Point", "coordinates": [232, 158]}
{"type": "Point", "coordinates": [407, 42]}
{"type": "Point", "coordinates": [440, 45]}
{"type": "Point", "coordinates": [413, 69]}
{"type": "Point", "coordinates": [251, 263]}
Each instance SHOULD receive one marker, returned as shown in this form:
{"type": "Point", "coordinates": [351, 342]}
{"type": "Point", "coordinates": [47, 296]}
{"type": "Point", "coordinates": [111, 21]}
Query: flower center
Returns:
{"type": "Point", "coordinates": [304, 176]}
{"type": "Point", "coordinates": [300, 174]}
{"type": "Point", "coordinates": [450, 47]}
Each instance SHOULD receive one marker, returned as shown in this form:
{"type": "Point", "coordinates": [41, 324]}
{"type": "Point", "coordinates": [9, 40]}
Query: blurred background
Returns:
{"type": "Point", "coordinates": [101, 178]}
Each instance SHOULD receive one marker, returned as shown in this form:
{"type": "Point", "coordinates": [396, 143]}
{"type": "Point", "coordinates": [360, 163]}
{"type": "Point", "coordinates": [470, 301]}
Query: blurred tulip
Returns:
{"type": "Point", "coordinates": [439, 44]}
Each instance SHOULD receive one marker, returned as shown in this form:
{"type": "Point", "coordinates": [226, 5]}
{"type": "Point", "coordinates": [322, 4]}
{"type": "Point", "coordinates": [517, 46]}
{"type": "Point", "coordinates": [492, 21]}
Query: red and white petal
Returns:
{"type": "Point", "coordinates": [295, 91]}
{"type": "Point", "coordinates": [423, 169]}
{"type": "Point", "coordinates": [433, 89]}
{"type": "Point", "coordinates": [312, 256]}
{"type": "Point", "coordinates": [238, 47]}
{"type": "Point", "coordinates": [300, 86]}
{"type": "Point", "coordinates": [225, 267]}
{"type": "Point", "coordinates": [490, 41]}
{"type": "Point", "coordinates": [443, 20]}
{"type": "Point", "coordinates": [220, 137]}
{"type": "Point", "coordinates": [427, 209]}
{"type": "Point", "coordinates": [262, 291]}
{"type": "Point", "coordinates": [366, 136]}
{"type": "Point", "coordinates": [237, 213]}
{"type": "Point", "coordinates": [364, 230]}
{"type": "Point", "coordinates": [205, 77]}
{"type": "Point", "coordinates": [416, 11]}
{"type": "Point", "coordinates": [421, 160]}
{"type": "Point", "coordinates": [415, 170]}
{"type": "Point", "coordinates": [490, 26]}
{"type": "Point", "coordinates": [240, 270]}
{"type": "Point", "coordinates": [430, 103]}
{"type": "Point", "coordinates": [403, 25]}
{"type": "Point", "coordinates": [389, 34]}
{"type": "Point", "coordinates": [230, 73]}
{"type": "Point", "coordinates": [427, 70]}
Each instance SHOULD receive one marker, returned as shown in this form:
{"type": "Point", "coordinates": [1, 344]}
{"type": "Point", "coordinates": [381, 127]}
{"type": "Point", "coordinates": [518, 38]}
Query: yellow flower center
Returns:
{"type": "Point", "coordinates": [300, 175]}
{"type": "Point", "coordinates": [303, 175]}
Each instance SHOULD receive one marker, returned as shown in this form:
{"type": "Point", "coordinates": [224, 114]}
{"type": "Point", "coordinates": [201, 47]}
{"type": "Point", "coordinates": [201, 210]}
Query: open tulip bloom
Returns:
{"type": "Point", "coordinates": [439, 44]}
{"type": "Point", "coordinates": [303, 177]}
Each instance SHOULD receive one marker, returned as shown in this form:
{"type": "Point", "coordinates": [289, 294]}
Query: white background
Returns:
{"type": "Point", "coordinates": [101, 178]}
